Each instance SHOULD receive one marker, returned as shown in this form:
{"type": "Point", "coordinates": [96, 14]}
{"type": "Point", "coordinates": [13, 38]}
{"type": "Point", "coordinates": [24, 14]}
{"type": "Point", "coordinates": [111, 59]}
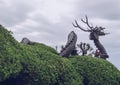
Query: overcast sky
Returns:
{"type": "Point", "coordinates": [50, 21]}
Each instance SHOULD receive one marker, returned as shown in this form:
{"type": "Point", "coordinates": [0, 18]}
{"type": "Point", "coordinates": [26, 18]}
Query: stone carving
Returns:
{"type": "Point", "coordinates": [70, 45]}
{"type": "Point", "coordinates": [74, 52]}
{"type": "Point", "coordinates": [95, 32]}
{"type": "Point", "coordinates": [26, 41]}
{"type": "Point", "coordinates": [84, 47]}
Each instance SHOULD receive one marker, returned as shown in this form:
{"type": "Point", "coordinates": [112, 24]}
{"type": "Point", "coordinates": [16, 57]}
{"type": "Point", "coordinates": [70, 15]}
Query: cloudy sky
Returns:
{"type": "Point", "coordinates": [50, 21]}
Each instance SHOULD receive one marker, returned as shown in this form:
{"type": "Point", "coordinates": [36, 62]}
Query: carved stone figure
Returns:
{"type": "Point", "coordinates": [95, 32]}
{"type": "Point", "coordinates": [26, 41]}
{"type": "Point", "coordinates": [84, 47]}
{"type": "Point", "coordinates": [74, 52]}
{"type": "Point", "coordinates": [70, 45]}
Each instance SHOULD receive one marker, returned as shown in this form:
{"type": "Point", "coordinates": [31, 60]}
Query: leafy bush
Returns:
{"type": "Point", "coordinates": [35, 64]}
{"type": "Point", "coordinates": [96, 71]}
{"type": "Point", "coordinates": [39, 64]}
{"type": "Point", "coordinates": [9, 55]}
{"type": "Point", "coordinates": [47, 68]}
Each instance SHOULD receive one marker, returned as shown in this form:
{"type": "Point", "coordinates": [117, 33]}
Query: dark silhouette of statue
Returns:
{"type": "Point", "coordinates": [74, 52]}
{"type": "Point", "coordinates": [69, 48]}
{"type": "Point", "coordinates": [95, 32]}
{"type": "Point", "coordinates": [84, 48]}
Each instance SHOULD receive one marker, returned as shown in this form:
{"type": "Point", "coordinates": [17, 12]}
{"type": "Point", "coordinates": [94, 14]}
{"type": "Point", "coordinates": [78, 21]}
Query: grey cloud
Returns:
{"type": "Point", "coordinates": [14, 12]}
{"type": "Point", "coordinates": [106, 9]}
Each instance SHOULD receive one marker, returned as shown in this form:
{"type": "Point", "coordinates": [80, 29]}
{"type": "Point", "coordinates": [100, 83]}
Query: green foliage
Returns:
{"type": "Point", "coordinates": [46, 68]}
{"type": "Point", "coordinates": [9, 55]}
{"type": "Point", "coordinates": [96, 71]}
{"type": "Point", "coordinates": [39, 64]}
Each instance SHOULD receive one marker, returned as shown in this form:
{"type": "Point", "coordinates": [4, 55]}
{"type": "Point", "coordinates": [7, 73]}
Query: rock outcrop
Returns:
{"type": "Point", "coordinates": [26, 41]}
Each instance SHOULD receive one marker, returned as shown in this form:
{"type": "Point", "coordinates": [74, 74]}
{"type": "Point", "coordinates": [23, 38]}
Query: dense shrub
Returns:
{"type": "Point", "coordinates": [35, 64]}
{"type": "Point", "coordinates": [39, 64]}
{"type": "Point", "coordinates": [9, 55]}
{"type": "Point", "coordinates": [96, 71]}
{"type": "Point", "coordinates": [47, 68]}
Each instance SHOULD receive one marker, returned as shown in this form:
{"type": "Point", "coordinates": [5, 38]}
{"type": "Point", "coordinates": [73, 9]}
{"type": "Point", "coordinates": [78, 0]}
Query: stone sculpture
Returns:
{"type": "Point", "coordinates": [95, 32]}
{"type": "Point", "coordinates": [70, 45]}
{"type": "Point", "coordinates": [26, 41]}
{"type": "Point", "coordinates": [84, 47]}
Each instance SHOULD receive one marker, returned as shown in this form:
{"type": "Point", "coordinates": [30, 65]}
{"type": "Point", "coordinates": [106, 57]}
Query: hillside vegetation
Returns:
{"type": "Point", "coordinates": [39, 64]}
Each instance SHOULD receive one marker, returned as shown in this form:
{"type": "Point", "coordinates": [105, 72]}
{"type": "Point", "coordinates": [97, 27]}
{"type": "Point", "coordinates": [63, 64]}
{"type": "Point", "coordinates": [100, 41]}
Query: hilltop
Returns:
{"type": "Point", "coordinates": [39, 64]}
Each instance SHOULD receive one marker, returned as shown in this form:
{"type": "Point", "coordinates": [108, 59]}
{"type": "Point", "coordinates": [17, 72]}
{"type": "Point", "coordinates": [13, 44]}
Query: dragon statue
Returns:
{"type": "Point", "coordinates": [70, 45]}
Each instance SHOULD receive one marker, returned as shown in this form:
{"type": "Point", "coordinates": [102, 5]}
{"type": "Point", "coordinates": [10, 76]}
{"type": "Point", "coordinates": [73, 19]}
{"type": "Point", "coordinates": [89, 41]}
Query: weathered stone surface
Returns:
{"type": "Point", "coordinates": [70, 45]}
{"type": "Point", "coordinates": [95, 32]}
{"type": "Point", "coordinates": [26, 41]}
